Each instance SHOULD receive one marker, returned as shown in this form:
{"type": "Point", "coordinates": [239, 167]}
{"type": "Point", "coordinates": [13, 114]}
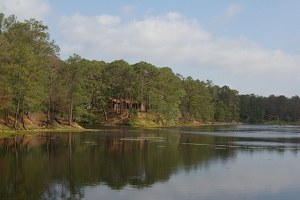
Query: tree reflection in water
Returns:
{"type": "Point", "coordinates": [61, 165]}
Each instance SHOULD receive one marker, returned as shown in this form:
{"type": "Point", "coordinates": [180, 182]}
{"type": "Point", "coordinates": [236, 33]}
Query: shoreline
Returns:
{"type": "Point", "coordinates": [79, 128]}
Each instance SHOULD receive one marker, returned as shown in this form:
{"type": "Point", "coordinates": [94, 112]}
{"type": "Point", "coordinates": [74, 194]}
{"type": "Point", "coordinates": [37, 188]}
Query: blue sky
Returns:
{"type": "Point", "coordinates": [251, 46]}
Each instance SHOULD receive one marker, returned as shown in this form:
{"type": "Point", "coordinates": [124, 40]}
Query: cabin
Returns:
{"type": "Point", "coordinates": [117, 104]}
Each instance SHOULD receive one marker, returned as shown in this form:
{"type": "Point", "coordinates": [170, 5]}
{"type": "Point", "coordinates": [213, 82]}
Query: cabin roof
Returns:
{"type": "Point", "coordinates": [122, 100]}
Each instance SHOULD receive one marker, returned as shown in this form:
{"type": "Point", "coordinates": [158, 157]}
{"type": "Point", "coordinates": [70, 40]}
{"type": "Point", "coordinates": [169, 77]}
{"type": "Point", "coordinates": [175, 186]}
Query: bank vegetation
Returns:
{"type": "Point", "coordinates": [38, 90]}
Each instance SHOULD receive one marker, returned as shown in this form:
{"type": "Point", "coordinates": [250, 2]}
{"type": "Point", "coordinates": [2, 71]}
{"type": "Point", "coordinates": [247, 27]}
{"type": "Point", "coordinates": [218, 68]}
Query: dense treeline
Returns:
{"type": "Point", "coordinates": [35, 80]}
{"type": "Point", "coordinates": [257, 109]}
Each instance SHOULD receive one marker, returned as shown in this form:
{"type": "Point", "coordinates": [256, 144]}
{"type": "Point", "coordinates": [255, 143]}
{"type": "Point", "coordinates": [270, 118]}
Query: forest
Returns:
{"type": "Point", "coordinates": [33, 79]}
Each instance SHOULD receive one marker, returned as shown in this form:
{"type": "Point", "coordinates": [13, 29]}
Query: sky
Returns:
{"type": "Point", "coordinates": [250, 46]}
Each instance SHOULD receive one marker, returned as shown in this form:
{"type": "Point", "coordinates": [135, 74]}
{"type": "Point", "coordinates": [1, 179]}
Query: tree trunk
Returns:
{"type": "Point", "coordinates": [6, 116]}
{"type": "Point", "coordinates": [16, 122]}
{"type": "Point", "coordinates": [104, 111]}
{"type": "Point", "coordinates": [125, 107]}
{"type": "Point", "coordinates": [22, 115]}
{"type": "Point", "coordinates": [50, 103]}
{"type": "Point", "coordinates": [130, 105]}
{"type": "Point", "coordinates": [71, 102]}
{"type": "Point", "coordinates": [71, 113]}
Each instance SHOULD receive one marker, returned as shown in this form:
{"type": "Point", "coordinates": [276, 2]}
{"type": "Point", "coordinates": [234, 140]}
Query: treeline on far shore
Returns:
{"type": "Point", "coordinates": [33, 79]}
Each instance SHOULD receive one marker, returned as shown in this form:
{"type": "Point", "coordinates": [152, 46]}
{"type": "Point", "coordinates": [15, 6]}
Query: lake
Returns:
{"type": "Point", "coordinates": [211, 162]}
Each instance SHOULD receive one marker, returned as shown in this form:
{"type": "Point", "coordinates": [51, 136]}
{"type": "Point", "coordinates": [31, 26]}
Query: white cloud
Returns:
{"type": "Point", "coordinates": [230, 13]}
{"type": "Point", "coordinates": [37, 9]}
{"type": "Point", "coordinates": [169, 40]}
{"type": "Point", "coordinates": [128, 11]}
{"type": "Point", "coordinates": [152, 37]}
{"type": "Point", "coordinates": [233, 10]}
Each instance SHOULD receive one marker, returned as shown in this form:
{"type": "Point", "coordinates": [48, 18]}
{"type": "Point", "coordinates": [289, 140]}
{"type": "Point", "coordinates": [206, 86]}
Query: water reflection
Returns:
{"type": "Point", "coordinates": [173, 163]}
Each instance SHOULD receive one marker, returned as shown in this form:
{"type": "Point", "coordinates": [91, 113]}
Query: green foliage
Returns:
{"type": "Point", "coordinates": [165, 96]}
{"type": "Point", "coordinates": [197, 101]}
{"type": "Point", "coordinates": [27, 49]}
{"type": "Point", "coordinates": [258, 109]}
{"type": "Point", "coordinates": [133, 112]}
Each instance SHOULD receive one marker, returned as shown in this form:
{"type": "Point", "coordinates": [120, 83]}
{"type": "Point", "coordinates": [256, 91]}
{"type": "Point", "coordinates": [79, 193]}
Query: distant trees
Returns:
{"type": "Point", "coordinates": [228, 102]}
{"type": "Point", "coordinates": [252, 108]}
{"type": "Point", "coordinates": [257, 109]}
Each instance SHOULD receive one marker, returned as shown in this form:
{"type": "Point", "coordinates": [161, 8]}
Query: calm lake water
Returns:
{"type": "Point", "coordinates": [224, 162]}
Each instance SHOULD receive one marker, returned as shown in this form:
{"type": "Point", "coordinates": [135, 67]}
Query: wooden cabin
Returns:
{"type": "Point", "coordinates": [117, 104]}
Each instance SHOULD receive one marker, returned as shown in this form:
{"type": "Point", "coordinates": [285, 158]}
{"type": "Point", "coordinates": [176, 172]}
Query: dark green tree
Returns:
{"type": "Point", "coordinates": [252, 108]}
{"type": "Point", "coordinates": [166, 94]}
{"type": "Point", "coordinates": [28, 47]}
{"type": "Point", "coordinates": [227, 107]}
{"type": "Point", "coordinates": [146, 74]}
{"type": "Point", "coordinates": [293, 108]}
{"type": "Point", "coordinates": [96, 88]}
{"type": "Point", "coordinates": [54, 99]}
{"type": "Point", "coordinates": [74, 76]}
{"type": "Point", "coordinates": [197, 102]}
